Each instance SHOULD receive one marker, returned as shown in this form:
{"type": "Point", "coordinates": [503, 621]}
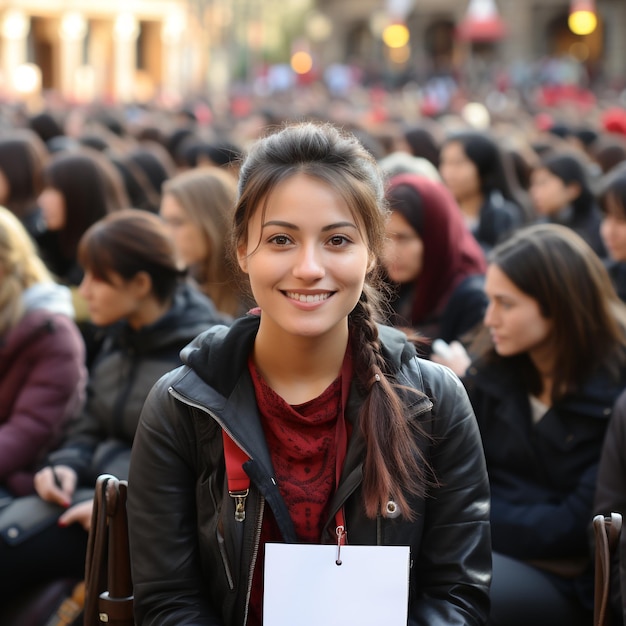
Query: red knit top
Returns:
{"type": "Point", "coordinates": [302, 440]}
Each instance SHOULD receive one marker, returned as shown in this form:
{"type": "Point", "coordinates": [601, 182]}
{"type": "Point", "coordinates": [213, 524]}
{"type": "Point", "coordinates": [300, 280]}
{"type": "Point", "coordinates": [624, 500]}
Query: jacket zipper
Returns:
{"type": "Point", "coordinates": [204, 409]}
{"type": "Point", "coordinates": [255, 553]}
{"type": "Point", "coordinates": [257, 532]}
{"type": "Point", "coordinates": [239, 496]}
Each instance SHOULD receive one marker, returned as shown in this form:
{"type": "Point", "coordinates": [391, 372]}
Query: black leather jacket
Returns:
{"type": "Point", "coordinates": [193, 563]}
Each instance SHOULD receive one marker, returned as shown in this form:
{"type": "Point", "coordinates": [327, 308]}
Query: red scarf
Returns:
{"type": "Point", "coordinates": [451, 253]}
{"type": "Point", "coordinates": [307, 445]}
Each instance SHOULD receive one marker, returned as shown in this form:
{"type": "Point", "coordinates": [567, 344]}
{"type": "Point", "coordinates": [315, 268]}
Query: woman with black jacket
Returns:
{"type": "Point", "coordinates": [482, 179]}
{"type": "Point", "coordinates": [561, 193]}
{"type": "Point", "coordinates": [543, 395]}
{"type": "Point", "coordinates": [345, 429]}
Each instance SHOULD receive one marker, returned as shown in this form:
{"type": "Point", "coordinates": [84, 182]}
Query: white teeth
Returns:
{"type": "Point", "coordinates": [319, 297]}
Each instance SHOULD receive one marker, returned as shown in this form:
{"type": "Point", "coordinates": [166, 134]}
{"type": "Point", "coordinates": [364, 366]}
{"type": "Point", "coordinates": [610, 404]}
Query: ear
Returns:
{"type": "Point", "coordinates": [372, 262]}
{"type": "Point", "coordinates": [142, 284]}
{"type": "Point", "coordinates": [573, 191]}
{"type": "Point", "coordinates": [242, 257]}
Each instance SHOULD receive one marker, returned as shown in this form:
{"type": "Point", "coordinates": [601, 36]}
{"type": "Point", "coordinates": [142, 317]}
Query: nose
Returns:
{"type": "Point", "coordinates": [490, 315]}
{"type": "Point", "coordinates": [83, 288]}
{"type": "Point", "coordinates": [308, 264]}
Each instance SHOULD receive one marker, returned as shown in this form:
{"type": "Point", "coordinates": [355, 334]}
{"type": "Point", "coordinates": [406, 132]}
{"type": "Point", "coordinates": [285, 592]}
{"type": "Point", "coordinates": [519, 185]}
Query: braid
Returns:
{"type": "Point", "coordinates": [394, 466]}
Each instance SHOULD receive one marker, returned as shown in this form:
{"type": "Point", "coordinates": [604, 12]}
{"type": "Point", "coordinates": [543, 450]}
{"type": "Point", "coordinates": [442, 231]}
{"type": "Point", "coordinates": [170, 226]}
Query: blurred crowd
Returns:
{"type": "Point", "coordinates": [506, 251]}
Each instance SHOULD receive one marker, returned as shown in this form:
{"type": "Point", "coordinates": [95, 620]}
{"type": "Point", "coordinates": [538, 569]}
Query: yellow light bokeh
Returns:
{"type": "Point", "coordinates": [582, 22]}
{"type": "Point", "coordinates": [400, 55]}
{"type": "Point", "coordinates": [301, 62]}
{"type": "Point", "coordinates": [396, 35]}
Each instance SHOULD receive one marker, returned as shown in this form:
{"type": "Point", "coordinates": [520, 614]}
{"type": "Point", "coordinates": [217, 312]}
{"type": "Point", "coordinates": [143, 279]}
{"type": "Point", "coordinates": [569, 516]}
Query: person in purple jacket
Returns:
{"type": "Point", "coordinates": [42, 356]}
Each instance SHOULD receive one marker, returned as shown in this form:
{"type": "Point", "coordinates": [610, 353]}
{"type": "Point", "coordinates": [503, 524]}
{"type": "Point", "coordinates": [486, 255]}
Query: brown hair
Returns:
{"type": "Point", "coordinates": [127, 242]}
{"type": "Point", "coordinates": [555, 267]}
{"type": "Point", "coordinates": [394, 466]}
{"type": "Point", "coordinates": [612, 196]}
{"type": "Point", "coordinates": [22, 158]}
{"type": "Point", "coordinates": [91, 188]}
{"type": "Point", "coordinates": [208, 195]}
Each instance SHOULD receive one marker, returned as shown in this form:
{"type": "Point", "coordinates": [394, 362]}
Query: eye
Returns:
{"type": "Point", "coordinates": [338, 240]}
{"type": "Point", "coordinates": [279, 240]}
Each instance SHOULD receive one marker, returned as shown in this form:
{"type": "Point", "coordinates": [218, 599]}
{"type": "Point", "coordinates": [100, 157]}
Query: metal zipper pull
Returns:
{"type": "Point", "coordinates": [240, 504]}
{"type": "Point", "coordinates": [341, 533]}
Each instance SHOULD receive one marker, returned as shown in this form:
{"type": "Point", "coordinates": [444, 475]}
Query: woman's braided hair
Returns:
{"type": "Point", "coordinates": [394, 466]}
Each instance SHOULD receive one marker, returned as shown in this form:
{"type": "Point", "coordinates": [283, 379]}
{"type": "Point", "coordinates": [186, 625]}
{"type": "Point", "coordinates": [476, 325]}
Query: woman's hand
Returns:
{"type": "Point", "coordinates": [56, 484]}
{"type": "Point", "coordinates": [456, 359]}
{"type": "Point", "coordinates": [79, 513]}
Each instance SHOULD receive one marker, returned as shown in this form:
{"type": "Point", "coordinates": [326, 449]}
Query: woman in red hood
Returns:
{"type": "Point", "coordinates": [433, 259]}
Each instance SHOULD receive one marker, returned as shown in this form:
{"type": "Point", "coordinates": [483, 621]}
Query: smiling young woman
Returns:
{"type": "Point", "coordinates": [338, 415]}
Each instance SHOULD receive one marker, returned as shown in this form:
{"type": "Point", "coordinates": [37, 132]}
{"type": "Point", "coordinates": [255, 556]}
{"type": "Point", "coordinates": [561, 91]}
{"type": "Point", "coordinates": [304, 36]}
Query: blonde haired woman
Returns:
{"type": "Point", "coordinates": [197, 206]}
{"type": "Point", "coordinates": [42, 355]}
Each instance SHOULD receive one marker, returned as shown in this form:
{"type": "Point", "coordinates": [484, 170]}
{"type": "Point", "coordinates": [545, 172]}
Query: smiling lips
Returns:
{"type": "Point", "coordinates": [308, 298]}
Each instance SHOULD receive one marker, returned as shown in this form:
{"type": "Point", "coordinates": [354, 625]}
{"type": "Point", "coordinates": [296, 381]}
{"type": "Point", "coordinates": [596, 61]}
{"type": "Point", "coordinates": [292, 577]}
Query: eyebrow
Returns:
{"type": "Point", "coordinates": [324, 229]}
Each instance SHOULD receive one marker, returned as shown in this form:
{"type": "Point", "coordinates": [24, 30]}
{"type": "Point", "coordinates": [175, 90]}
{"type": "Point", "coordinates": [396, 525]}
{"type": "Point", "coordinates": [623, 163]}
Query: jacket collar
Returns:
{"type": "Point", "coordinates": [595, 397]}
{"type": "Point", "coordinates": [231, 346]}
{"type": "Point", "coordinates": [228, 397]}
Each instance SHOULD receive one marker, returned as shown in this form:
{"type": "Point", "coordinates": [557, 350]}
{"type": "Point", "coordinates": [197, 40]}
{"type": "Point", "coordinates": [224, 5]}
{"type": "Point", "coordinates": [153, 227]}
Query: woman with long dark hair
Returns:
{"type": "Point", "coordinates": [561, 193]}
{"type": "Point", "coordinates": [613, 228]}
{"type": "Point", "coordinates": [481, 177]}
{"type": "Point", "coordinates": [339, 419]}
{"type": "Point", "coordinates": [543, 394]}
{"type": "Point", "coordinates": [80, 187]}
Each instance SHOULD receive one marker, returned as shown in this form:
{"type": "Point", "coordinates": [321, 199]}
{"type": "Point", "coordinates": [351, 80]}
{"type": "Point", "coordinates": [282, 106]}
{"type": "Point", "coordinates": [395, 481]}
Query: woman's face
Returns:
{"type": "Point", "coordinates": [514, 318]}
{"type": "Point", "coordinates": [613, 230]}
{"type": "Point", "coordinates": [52, 203]}
{"type": "Point", "coordinates": [110, 302]}
{"type": "Point", "coordinates": [190, 242]}
{"type": "Point", "coordinates": [459, 172]}
{"type": "Point", "coordinates": [403, 257]}
{"type": "Point", "coordinates": [306, 259]}
{"type": "Point", "coordinates": [549, 193]}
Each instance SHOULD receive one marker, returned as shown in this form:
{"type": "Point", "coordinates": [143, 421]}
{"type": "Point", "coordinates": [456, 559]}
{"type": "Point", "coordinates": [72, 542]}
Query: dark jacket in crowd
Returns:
{"type": "Point", "coordinates": [617, 272]}
{"type": "Point", "coordinates": [542, 475]}
{"type": "Point", "coordinates": [128, 364]}
{"type": "Point", "coordinates": [42, 383]}
{"type": "Point", "coordinates": [463, 312]}
{"type": "Point", "coordinates": [586, 224]}
{"type": "Point", "coordinates": [498, 218]}
{"type": "Point", "coordinates": [201, 571]}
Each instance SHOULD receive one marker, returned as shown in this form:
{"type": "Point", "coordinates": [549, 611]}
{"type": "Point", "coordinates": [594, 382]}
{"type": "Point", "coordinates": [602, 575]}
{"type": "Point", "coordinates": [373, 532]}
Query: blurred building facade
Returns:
{"type": "Point", "coordinates": [124, 50]}
{"type": "Point", "coordinates": [127, 50]}
{"type": "Point", "coordinates": [535, 29]}
{"type": "Point", "coordinates": [108, 49]}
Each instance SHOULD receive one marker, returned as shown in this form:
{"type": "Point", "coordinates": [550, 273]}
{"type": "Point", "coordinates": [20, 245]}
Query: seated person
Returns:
{"type": "Point", "coordinates": [432, 260]}
{"type": "Point", "coordinates": [134, 289]}
{"type": "Point", "coordinates": [42, 356]}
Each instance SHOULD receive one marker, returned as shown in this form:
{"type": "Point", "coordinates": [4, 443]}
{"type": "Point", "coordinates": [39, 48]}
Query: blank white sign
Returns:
{"type": "Point", "coordinates": [305, 587]}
